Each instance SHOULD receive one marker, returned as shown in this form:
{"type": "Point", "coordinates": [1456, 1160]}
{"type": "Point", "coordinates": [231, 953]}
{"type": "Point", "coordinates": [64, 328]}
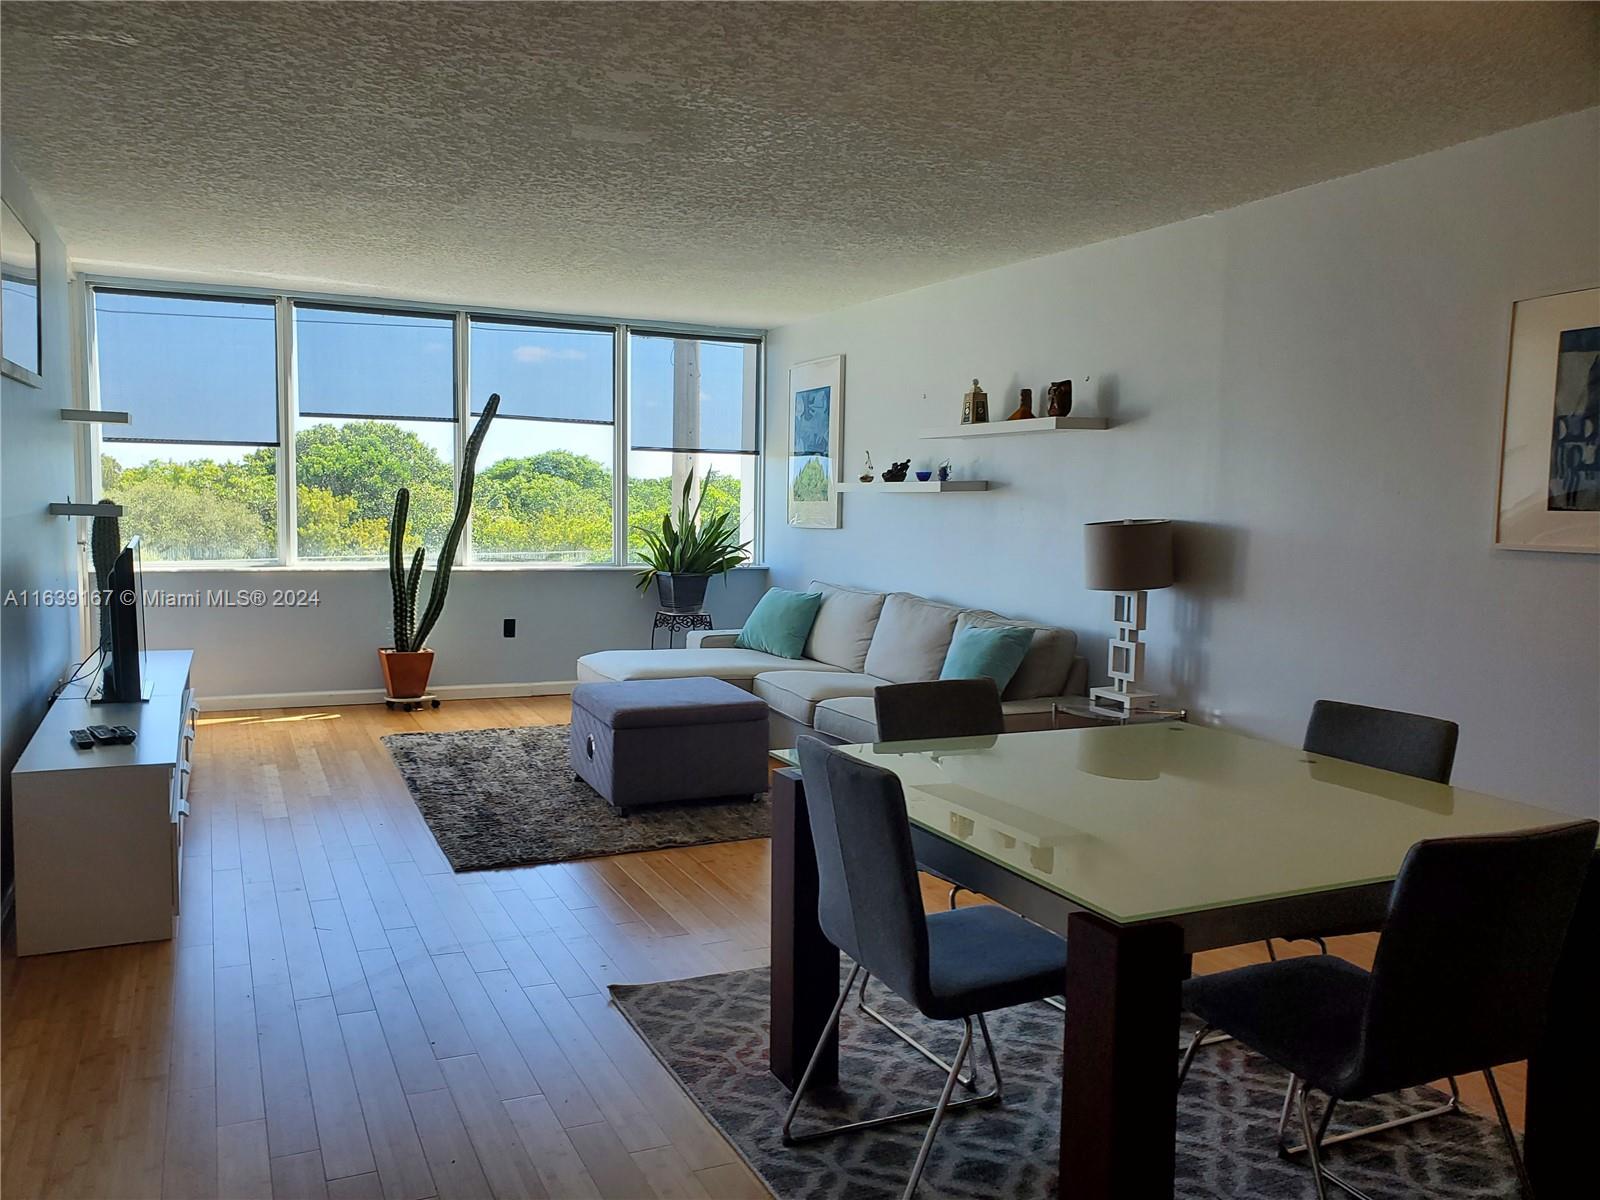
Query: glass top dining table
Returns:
{"type": "Point", "coordinates": [1139, 822]}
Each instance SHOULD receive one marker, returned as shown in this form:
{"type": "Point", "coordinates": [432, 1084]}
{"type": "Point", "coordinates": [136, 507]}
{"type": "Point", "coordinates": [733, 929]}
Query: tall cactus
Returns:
{"type": "Point", "coordinates": [409, 633]}
{"type": "Point", "coordinates": [105, 543]}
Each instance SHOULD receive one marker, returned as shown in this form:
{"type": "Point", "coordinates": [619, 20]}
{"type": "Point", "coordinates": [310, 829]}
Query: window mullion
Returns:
{"type": "Point", "coordinates": [463, 385]}
{"type": "Point", "coordinates": [621, 398]}
{"type": "Point", "coordinates": [288, 405]}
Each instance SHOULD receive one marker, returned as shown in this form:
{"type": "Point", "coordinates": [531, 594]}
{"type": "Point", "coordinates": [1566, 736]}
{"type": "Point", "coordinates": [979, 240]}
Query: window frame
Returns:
{"type": "Point", "coordinates": [461, 315]}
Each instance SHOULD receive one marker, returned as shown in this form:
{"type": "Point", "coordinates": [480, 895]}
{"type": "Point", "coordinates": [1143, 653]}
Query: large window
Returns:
{"type": "Point", "coordinates": [692, 409]}
{"type": "Point", "coordinates": [196, 467]}
{"type": "Point", "coordinates": [376, 412]}
{"type": "Point", "coordinates": [544, 490]}
{"type": "Point", "coordinates": [376, 398]}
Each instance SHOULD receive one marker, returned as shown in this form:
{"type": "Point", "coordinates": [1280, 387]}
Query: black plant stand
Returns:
{"type": "Point", "coordinates": [678, 622]}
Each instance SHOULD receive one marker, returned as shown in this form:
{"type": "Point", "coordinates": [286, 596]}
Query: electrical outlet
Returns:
{"type": "Point", "coordinates": [509, 628]}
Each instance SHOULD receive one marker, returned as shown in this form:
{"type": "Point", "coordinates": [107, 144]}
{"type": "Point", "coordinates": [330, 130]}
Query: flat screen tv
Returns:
{"type": "Point", "coordinates": [124, 678]}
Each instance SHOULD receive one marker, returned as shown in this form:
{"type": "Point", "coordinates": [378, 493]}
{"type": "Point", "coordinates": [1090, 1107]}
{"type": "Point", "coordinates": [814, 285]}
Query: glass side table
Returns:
{"type": "Point", "coordinates": [1084, 713]}
{"type": "Point", "coordinates": [677, 622]}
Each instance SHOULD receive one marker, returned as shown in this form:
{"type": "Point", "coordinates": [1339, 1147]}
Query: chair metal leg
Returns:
{"type": "Point", "coordinates": [968, 1081]}
{"type": "Point", "coordinates": [945, 1104]}
{"type": "Point", "coordinates": [940, 1109]}
{"type": "Point", "coordinates": [1272, 952]}
{"type": "Point", "coordinates": [828, 1031]}
{"type": "Point", "coordinates": [1310, 1135]}
{"type": "Point", "coordinates": [1510, 1135]}
{"type": "Point", "coordinates": [1453, 1104]}
{"type": "Point", "coordinates": [1288, 1108]}
{"type": "Point", "coordinates": [954, 891]}
{"type": "Point", "coordinates": [1189, 1052]}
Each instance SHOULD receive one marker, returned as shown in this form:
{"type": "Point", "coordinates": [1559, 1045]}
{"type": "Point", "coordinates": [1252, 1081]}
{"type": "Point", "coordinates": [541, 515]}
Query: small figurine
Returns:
{"type": "Point", "coordinates": [1060, 397]}
{"type": "Point", "coordinates": [896, 472]}
{"type": "Point", "coordinates": [975, 406]}
{"type": "Point", "coordinates": [866, 471]}
{"type": "Point", "coordinates": [944, 470]}
{"type": "Point", "coordinates": [1024, 407]}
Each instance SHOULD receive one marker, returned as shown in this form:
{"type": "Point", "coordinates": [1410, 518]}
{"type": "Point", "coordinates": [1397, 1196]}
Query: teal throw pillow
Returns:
{"type": "Point", "coordinates": [979, 650]}
{"type": "Point", "coordinates": [780, 622]}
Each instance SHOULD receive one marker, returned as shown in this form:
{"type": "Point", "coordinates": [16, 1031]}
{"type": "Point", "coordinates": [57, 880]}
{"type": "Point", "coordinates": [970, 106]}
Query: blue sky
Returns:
{"type": "Point", "coordinates": [204, 369]}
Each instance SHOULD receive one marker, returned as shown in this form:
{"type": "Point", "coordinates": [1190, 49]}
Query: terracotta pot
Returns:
{"type": "Point", "coordinates": [405, 673]}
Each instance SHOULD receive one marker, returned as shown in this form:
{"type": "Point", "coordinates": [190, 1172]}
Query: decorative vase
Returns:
{"type": "Point", "coordinates": [975, 406]}
{"type": "Point", "coordinates": [405, 672]}
{"type": "Point", "coordinates": [681, 593]}
{"type": "Point", "coordinates": [1024, 407]}
{"type": "Point", "coordinates": [1060, 397]}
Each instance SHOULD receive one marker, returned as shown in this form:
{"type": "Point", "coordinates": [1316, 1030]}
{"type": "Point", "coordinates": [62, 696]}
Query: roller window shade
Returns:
{"type": "Point", "coordinates": [543, 372]}
{"type": "Point", "coordinates": [187, 368]}
{"type": "Point", "coordinates": [692, 395]}
{"type": "Point", "coordinates": [365, 363]}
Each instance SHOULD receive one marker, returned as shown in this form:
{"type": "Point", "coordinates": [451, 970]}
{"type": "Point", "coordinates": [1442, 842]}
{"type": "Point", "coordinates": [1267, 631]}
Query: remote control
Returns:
{"type": "Point", "coordinates": [81, 739]}
{"type": "Point", "coordinates": [103, 734]}
{"type": "Point", "coordinates": [125, 734]}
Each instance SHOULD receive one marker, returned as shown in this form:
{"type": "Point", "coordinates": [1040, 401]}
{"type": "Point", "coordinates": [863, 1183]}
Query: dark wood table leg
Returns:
{"type": "Point", "coordinates": [805, 965]}
{"type": "Point", "coordinates": [1563, 1098]}
{"type": "Point", "coordinates": [1119, 1108]}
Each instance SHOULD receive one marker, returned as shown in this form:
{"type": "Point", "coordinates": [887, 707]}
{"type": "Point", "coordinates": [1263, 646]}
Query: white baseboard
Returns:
{"type": "Point", "coordinates": [451, 691]}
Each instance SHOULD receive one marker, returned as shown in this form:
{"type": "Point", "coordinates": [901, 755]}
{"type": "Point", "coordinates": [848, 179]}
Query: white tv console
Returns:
{"type": "Point", "coordinates": [98, 834]}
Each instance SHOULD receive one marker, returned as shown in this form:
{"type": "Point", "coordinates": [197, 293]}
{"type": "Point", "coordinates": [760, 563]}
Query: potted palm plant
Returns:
{"type": "Point", "coordinates": [408, 663]}
{"type": "Point", "coordinates": [687, 551]}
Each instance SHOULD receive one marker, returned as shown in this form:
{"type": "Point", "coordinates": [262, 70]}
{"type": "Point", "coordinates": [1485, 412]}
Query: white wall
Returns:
{"type": "Point", "coordinates": [1313, 385]}
{"type": "Point", "coordinates": [248, 656]}
{"type": "Point", "coordinates": [36, 549]}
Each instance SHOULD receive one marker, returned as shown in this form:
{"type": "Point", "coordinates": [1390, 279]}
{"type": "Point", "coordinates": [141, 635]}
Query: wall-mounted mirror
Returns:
{"type": "Point", "coordinates": [20, 348]}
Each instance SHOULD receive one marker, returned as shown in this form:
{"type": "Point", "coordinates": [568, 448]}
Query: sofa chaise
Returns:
{"type": "Point", "coordinates": [860, 641]}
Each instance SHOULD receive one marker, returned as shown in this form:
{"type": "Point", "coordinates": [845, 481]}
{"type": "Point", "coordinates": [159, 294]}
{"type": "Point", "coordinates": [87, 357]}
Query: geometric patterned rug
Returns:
{"type": "Point", "coordinates": [711, 1033]}
{"type": "Point", "coordinates": [507, 798]}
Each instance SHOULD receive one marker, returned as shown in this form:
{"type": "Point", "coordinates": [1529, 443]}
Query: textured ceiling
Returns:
{"type": "Point", "coordinates": [742, 163]}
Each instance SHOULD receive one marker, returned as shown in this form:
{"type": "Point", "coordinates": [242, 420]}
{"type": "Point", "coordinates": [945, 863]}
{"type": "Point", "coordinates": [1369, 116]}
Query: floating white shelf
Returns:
{"type": "Point", "coordinates": [107, 416]}
{"type": "Point", "coordinates": [1001, 428]}
{"type": "Point", "coordinates": [70, 509]}
{"type": "Point", "coordinates": [916, 485]}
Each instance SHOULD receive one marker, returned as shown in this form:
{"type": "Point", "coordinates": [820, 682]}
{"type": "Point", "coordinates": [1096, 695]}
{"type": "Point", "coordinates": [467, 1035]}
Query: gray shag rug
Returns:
{"type": "Point", "coordinates": [506, 798]}
{"type": "Point", "coordinates": [711, 1033]}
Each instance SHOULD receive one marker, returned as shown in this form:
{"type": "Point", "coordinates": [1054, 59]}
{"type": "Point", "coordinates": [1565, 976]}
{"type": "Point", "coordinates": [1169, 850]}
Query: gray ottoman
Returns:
{"type": "Point", "coordinates": [655, 741]}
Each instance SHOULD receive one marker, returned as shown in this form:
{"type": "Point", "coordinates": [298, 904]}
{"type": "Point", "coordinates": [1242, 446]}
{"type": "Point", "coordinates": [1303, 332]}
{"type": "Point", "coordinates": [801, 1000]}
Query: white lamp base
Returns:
{"type": "Point", "coordinates": [1126, 660]}
{"type": "Point", "coordinates": [1122, 703]}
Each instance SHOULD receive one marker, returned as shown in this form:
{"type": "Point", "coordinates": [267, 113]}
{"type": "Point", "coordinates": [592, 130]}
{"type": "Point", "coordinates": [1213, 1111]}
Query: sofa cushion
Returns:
{"type": "Point", "coordinates": [854, 719]}
{"type": "Point", "coordinates": [796, 693]}
{"type": "Point", "coordinates": [736, 666]}
{"type": "Point", "coordinates": [1043, 670]}
{"type": "Point", "coordinates": [911, 640]}
{"type": "Point", "coordinates": [780, 623]}
{"type": "Point", "coordinates": [843, 629]}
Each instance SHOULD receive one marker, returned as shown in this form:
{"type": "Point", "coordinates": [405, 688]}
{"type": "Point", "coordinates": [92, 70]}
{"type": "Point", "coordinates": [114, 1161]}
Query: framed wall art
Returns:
{"type": "Point", "coordinates": [21, 351]}
{"type": "Point", "coordinates": [1550, 447]}
{"type": "Point", "coordinates": [816, 431]}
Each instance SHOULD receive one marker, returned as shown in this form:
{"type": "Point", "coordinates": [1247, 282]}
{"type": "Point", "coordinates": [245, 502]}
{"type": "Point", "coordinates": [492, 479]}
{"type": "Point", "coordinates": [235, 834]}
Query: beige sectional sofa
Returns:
{"type": "Point", "coordinates": [860, 641]}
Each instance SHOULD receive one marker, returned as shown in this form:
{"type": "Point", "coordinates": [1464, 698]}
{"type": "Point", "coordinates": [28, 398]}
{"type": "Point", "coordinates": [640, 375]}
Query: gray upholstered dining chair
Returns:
{"type": "Point", "coordinates": [940, 708]}
{"type": "Point", "coordinates": [912, 712]}
{"type": "Point", "coordinates": [1490, 914]}
{"type": "Point", "coordinates": [955, 965]}
{"type": "Point", "coordinates": [1402, 742]}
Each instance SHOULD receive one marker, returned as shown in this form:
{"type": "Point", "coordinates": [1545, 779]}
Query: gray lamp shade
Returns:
{"type": "Point", "coordinates": [1127, 556]}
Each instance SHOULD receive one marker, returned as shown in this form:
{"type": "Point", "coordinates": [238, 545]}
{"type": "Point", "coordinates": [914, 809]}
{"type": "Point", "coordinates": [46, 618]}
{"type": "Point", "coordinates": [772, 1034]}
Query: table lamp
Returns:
{"type": "Point", "coordinates": [1128, 558]}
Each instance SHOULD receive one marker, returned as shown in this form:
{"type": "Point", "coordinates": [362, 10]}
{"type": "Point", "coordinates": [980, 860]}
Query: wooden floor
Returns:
{"type": "Point", "coordinates": [340, 1016]}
